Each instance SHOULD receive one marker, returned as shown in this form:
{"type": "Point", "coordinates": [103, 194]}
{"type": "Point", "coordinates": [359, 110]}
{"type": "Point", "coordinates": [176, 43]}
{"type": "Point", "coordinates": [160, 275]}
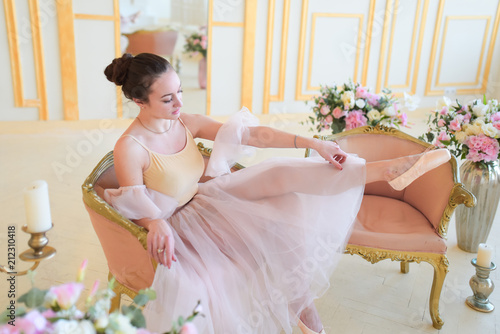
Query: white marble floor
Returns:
{"type": "Point", "coordinates": [363, 298]}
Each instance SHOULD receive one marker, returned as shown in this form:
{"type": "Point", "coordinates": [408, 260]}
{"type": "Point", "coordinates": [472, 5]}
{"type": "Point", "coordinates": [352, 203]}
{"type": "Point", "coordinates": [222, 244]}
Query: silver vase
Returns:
{"type": "Point", "coordinates": [474, 224]}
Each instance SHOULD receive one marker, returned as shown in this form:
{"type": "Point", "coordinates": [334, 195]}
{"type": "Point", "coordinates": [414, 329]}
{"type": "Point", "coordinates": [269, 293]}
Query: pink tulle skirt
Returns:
{"type": "Point", "coordinates": [258, 246]}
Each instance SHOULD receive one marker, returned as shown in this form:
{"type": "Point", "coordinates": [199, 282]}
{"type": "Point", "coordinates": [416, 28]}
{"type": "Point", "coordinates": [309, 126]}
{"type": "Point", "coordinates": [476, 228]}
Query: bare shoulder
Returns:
{"type": "Point", "coordinates": [128, 153]}
{"type": "Point", "coordinates": [201, 126]}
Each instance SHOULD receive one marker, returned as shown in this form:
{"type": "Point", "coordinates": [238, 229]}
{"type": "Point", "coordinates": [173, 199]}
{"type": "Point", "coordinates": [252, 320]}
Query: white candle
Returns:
{"type": "Point", "coordinates": [36, 202]}
{"type": "Point", "coordinates": [484, 255]}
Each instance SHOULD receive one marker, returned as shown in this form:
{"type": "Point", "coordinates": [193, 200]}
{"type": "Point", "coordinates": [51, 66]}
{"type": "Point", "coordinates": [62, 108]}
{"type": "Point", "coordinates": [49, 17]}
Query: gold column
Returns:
{"type": "Point", "coordinates": [248, 53]}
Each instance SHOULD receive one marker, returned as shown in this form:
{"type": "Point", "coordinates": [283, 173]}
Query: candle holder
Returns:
{"type": "Point", "coordinates": [39, 251]}
{"type": "Point", "coordinates": [482, 286]}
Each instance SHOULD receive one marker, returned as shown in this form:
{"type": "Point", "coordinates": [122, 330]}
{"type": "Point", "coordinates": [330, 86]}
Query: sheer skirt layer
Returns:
{"type": "Point", "coordinates": [257, 246]}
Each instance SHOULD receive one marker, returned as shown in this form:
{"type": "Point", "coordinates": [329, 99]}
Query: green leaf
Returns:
{"type": "Point", "coordinates": [484, 99]}
{"type": "Point", "coordinates": [33, 298]}
{"type": "Point", "coordinates": [137, 319]}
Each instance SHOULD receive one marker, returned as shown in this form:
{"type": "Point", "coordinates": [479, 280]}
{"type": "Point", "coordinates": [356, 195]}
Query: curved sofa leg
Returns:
{"type": "Point", "coordinates": [440, 264]}
{"type": "Point", "coordinates": [115, 302]}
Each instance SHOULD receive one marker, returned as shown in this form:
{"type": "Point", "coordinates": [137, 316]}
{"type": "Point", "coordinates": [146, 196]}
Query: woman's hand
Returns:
{"type": "Point", "coordinates": [331, 152]}
{"type": "Point", "coordinates": [161, 242]}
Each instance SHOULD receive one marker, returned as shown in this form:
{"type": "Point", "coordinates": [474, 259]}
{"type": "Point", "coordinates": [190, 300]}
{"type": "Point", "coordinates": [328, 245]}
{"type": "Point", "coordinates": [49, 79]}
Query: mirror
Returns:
{"type": "Point", "coordinates": [176, 30]}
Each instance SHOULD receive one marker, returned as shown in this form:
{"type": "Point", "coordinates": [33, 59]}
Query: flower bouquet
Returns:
{"type": "Point", "coordinates": [54, 311]}
{"type": "Point", "coordinates": [196, 43]}
{"type": "Point", "coordinates": [351, 105]}
{"type": "Point", "coordinates": [470, 131]}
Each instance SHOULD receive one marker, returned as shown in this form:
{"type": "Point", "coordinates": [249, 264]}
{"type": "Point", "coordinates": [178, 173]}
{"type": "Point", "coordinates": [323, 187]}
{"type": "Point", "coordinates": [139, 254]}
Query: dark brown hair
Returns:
{"type": "Point", "coordinates": [136, 74]}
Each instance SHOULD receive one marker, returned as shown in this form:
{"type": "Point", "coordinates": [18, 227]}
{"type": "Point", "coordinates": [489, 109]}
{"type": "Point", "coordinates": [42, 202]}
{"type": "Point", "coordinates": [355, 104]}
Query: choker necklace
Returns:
{"type": "Point", "coordinates": [157, 132]}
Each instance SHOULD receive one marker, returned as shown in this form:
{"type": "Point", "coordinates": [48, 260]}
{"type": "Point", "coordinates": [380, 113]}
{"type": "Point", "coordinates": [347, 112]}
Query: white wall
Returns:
{"type": "Point", "coordinates": [95, 49]}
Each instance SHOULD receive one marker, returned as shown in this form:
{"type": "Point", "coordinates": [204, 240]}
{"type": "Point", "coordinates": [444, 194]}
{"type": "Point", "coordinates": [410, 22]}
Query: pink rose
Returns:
{"type": "Point", "coordinates": [189, 328]}
{"type": "Point", "coordinates": [337, 113]}
{"type": "Point", "coordinates": [444, 111]}
{"type": "Point", "coordinates": [32, 323]}
{"type": "Point", "coordinates": [325, 110]}
{"type": "Point", "coordinates": [329, 119]}
{"type": "Point", "coordinates": [441, 123]}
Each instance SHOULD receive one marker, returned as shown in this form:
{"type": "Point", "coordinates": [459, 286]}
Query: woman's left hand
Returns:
{"type": "Point", "coordinates": [331, 152]}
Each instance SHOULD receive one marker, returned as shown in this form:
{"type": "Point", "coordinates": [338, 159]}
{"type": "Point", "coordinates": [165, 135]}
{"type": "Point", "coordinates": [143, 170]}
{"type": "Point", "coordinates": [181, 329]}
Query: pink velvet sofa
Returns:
{"type": "Point", "coordinates": [409, 225]}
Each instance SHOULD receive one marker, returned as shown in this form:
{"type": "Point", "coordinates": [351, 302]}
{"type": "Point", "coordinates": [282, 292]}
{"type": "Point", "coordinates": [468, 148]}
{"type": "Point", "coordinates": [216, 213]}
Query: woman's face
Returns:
{"type": "Point", "coordinates": [165, 99]}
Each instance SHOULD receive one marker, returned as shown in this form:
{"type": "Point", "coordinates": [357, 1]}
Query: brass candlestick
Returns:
{"type": "Point", "coordinates": [39, 251]}
{"type": "Point", "coordinates": [482, 286]}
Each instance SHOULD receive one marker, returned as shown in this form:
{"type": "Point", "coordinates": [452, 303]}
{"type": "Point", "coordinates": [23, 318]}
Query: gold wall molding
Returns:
{"type": "Point", "coordinates": [15, 58]}
{"type": "Point", "coordinates": [414, 57]}
{"type": "Point", "coordinates": [67, 51]}
{"type": "Point", "coordinates": [429, 91]}
{"type": "Point", "coordinates": [299, 95]}
{"type": "Point", "coordinates": [248, 60]}
{"type": "Point", "coordinates": [443, 43]}
{"type": "Point", "coordinates": [315, 16]}
{"type": "Point", "coordinates": [267, 97]}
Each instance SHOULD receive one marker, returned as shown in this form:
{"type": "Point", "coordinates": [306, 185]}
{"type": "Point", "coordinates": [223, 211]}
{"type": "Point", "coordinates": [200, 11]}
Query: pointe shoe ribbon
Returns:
{"type": "Point", "coordinates": [428, 161]}
{"type": "Point", "coordinates": [305, 330]}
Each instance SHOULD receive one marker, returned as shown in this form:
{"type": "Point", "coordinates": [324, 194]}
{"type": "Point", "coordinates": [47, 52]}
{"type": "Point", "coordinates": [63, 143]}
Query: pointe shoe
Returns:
{"type": "Point", "coordinates": [305, 330]}
{"type": "Point", "coordinates": [427, 161]}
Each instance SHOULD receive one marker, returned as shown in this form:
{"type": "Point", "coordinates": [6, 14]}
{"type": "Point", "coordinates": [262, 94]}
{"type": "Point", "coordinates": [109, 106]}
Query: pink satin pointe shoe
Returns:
{"type": "Point", "coordinates": [425, 162]}
{"type": "Point", "coordinates": [305, 330]}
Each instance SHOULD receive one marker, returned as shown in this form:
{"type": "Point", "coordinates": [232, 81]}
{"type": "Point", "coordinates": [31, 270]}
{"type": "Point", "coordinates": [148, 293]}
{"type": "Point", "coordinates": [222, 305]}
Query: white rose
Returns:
{"type": "Point", "coordinates": [490, 130]}
{"type": "Point", "coordinates": [122, 323]}
{"type": "Point", "coordinates": [101, 322]}
{"type": "Point", "coordinates": [64, 326]}
{"type": "Point", "coordinates": [348, 99]}
{"type": "Point", "coordinates": [461, 136]}
{"type": "Point", "coordinates": [389, 111]}
{"type": "Point", "coordinates": [360, 103]}
{"type": "Point", "coordinates": [479, 122]}
{"type": "Point", "coordinates": [373, 115]}
{"type": "Point", "coordinates": [479, 110]}
{"type": "Point", "coordinates": [493, 103]}
{"type": "Point", "coordinates": [444, 102]}
{"type": "Point", "coordinates": [473, 130]}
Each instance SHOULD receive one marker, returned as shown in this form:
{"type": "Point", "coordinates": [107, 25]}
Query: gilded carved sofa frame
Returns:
{"type": "Point", "coordinates": [458, 195]}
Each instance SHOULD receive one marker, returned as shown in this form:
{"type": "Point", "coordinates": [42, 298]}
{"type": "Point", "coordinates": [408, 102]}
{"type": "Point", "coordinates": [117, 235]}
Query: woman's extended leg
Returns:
{"type": "Point", "coordinates": [400, 172]}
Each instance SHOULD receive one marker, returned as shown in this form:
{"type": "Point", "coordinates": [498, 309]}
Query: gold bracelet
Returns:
{"type": "Point", "coordinates": [295, 141]}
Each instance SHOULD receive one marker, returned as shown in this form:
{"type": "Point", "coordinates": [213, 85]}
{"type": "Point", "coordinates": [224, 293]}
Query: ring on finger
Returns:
{"type": "Point", "coordinates": [160, 250]}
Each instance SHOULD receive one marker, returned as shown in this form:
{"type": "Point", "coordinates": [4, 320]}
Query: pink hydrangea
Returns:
{"type": "Point", "coordinates": [482, 148]}
{"type": "Point", "coordinates": [361, 92]}
{"type": "Point", "coordinates": [355, 119]}
{"type": "Point", "coordinates": [495, 117]}
{"type": "Point", "coordinates": [372, 99]}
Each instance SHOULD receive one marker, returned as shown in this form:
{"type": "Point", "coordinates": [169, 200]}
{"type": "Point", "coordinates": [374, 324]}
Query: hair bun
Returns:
{"type": "Point", "coordinates": [118, 69]}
